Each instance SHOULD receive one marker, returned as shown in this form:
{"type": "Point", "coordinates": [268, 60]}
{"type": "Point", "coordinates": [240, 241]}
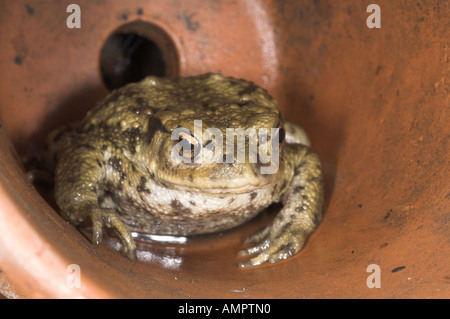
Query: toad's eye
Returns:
{"type": "Point", "coordinates": [187, 145]}
{"type": "Point", "coordinates": [280, 135]}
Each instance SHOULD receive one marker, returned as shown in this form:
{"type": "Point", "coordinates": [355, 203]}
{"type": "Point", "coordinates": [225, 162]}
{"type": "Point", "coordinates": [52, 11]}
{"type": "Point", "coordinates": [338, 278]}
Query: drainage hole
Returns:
{"type": "Point", "coordinates": [130, 57]}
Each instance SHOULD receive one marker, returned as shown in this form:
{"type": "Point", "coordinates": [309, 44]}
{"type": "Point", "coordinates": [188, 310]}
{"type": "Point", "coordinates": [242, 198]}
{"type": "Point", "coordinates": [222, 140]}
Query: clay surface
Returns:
{"type": "Point", "coordinates": [375, 103]}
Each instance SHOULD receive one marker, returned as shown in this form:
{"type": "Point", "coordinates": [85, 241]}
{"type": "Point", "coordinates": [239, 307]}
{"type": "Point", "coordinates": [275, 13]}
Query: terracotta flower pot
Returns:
{"type": "Point", "coordinates": [375, 103]}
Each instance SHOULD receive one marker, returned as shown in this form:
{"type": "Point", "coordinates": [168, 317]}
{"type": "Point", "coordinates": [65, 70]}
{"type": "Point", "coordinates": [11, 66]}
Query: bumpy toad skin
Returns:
{"type": "Point", "coordinates": [117, 168]}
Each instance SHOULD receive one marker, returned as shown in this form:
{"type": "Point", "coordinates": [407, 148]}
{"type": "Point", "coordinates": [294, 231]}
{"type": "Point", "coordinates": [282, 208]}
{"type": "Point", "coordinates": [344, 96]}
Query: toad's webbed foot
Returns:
{"type": "Point", "coordinates": [109, 220]}
{"type": "Point", "coordinates": [103, 220]}
{"type": "Point", "coordinates": [274, 243]}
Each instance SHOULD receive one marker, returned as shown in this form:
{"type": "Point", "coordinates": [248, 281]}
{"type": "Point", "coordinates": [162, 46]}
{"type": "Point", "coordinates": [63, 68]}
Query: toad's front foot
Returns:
{"type": "Point", "coordinates": [274, 243]}
{"type": "Point", "coordinates": [109, 220]}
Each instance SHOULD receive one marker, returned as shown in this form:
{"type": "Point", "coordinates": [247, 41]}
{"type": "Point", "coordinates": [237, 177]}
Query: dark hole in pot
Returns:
{"type": "Point", "coordinates": [129, 57]}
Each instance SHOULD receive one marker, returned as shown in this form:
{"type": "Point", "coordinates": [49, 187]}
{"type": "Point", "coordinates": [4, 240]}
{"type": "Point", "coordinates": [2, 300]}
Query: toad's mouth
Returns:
{"type": "Point", "coordinates": [229, 189]}
{"type": "Point", "coordinates": [244, 183]}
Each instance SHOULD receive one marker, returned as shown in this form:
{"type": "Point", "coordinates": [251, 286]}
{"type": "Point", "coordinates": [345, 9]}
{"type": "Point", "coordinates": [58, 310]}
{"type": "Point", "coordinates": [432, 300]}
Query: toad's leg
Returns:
{"type": "Point", "coordinates": [78, 175]}
{"type": "Point", "coordinates": [300, 215]}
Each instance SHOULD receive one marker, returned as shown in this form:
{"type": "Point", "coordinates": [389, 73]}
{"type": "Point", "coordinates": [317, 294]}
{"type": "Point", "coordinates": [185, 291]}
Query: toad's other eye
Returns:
{"type": "Point", "coordinates": [187, 145]}
{"type": "Point", "coordinates": [280, 135]}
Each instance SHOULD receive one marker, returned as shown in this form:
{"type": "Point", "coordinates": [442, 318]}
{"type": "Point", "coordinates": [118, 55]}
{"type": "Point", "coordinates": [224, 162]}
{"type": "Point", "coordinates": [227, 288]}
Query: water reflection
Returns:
{"type": "Point", "coordinates": [167, 261]}
{"type": "Point", "coordinates": [161, 238]}
{"type": "Point", "coordinates": [156, 249]}
{"type": "Point", "coordinates": [168, 256]}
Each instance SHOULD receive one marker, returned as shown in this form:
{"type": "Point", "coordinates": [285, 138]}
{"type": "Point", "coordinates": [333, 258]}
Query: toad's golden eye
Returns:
{"type": "Point", "coordinates": [187, 145]}
{"type": "Point", "coordinates": [280, 135]}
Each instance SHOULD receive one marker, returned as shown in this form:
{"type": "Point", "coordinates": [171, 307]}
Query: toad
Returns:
{"type": "Point", "coordinates": [140, 162]}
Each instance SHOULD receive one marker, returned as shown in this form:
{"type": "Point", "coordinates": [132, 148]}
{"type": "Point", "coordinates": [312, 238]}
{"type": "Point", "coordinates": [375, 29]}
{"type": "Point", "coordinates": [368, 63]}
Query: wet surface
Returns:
{"type": "Point", "coordinates": [374, 103]}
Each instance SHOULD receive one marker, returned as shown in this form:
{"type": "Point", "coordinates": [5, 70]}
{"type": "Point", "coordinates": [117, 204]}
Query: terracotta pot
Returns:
{"type": "Point", "coordinates": [375, 103]}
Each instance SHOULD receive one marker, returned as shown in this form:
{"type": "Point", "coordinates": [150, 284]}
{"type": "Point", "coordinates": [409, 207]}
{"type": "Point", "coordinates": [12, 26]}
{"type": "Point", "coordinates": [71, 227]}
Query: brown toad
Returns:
{"type": "Point", "coordinates": [152, 157]}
